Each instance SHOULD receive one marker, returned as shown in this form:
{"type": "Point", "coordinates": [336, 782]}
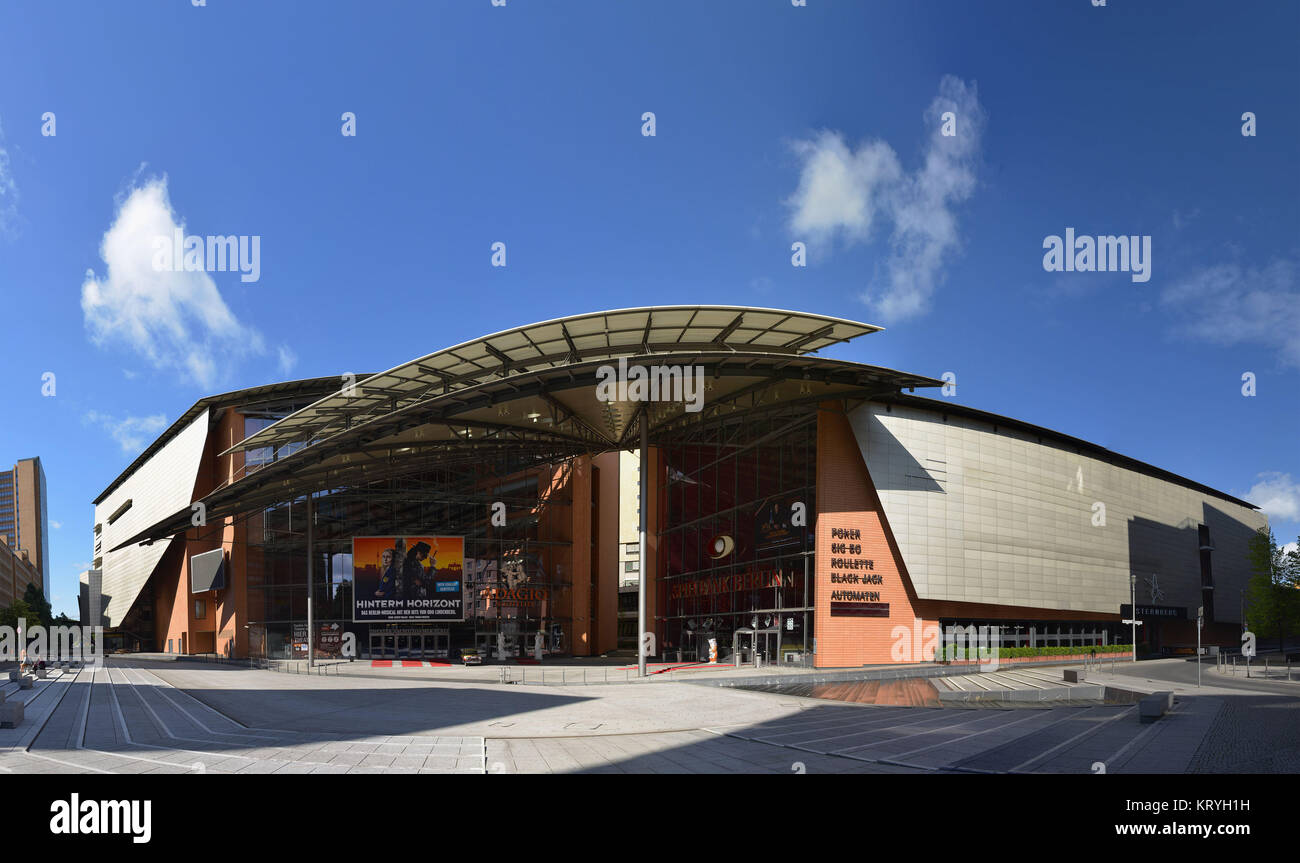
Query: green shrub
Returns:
{"type": "Point", "coordinates": [1019, 652]}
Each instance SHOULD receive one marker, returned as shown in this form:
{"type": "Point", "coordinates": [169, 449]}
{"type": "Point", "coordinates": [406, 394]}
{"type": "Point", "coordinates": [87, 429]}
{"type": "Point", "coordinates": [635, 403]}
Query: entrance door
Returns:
{"type": "Point", "coordinates": [745, 647]}
{"type": "Point", "coordinates": [766, 642]}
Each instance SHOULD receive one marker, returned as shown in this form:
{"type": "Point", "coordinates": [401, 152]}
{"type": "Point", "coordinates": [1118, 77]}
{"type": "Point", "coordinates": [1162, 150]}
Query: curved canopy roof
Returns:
{"type": "Point", "coordinates": [557, 343]}
{"type": "Point", "coordinates": [535, 390]}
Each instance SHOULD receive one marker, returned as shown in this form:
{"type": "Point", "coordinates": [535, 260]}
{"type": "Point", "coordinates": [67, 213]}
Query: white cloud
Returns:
{"type": "Point", "coordinates": [288, 359]}
{"type": "Point", "coordinates": [840, 191]}
{"type": "Point", "coordinates": [56, 524]}
{"type": "Point", "coordinates": [175, 320]}
{"type": "Point", "coordinates": [1229, 304]}
{"type": "Point", "coordinates": [843, 193]}
{"type": "Point", "coordinates": [1276, 495]}
{"type": "Point", "coordinates": [1291, 548]}
{"type": "Point", "coordinates": [131, 433]}
{"type": "Point", "coordinates": [8, 192]}
{"type": "Point", "coordinates": [1181, 219]}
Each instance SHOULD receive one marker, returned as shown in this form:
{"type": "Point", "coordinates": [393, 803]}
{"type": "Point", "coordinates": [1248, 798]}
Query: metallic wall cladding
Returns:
{"type": "Point", "coordinates": [1000, 517]}
{"type": "Point", "coordinates": [160, 487]}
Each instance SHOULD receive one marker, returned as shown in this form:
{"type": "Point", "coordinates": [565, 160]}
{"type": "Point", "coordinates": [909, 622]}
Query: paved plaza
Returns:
{"type": "Point", "coordinates": [141, 716]}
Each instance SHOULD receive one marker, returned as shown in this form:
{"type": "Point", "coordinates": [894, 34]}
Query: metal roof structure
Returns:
{"type": "Point", "coordinates": [555, 344]}
{"type": "Point", "coordinates": [533, 391]}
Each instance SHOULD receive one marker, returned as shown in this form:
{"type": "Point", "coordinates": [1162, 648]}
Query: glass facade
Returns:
{"type": "Point", "coordinates": [517, 577]}
{"type": "Point", "coordinates": [735, 559]}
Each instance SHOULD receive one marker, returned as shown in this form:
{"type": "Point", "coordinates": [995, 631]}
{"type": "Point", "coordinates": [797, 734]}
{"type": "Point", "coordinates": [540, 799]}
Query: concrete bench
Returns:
{"type": "Point", "coordinates": [11, 714]}
{"type": "Point", "coordinates": [25, 682]}
{"type": "Point", "coordinates": [1075, 675]}
{"type": "Point", "coordinates": [15, 676]}
{"type": "Point", "coordinates": [1155, 705]}
{"type": "Point", "coordinates": [39, 673]}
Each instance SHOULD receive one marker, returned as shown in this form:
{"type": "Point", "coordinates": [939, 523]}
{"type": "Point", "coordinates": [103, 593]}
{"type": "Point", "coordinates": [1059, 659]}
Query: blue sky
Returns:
{"type": "Point", "coordinates": [522, 124]}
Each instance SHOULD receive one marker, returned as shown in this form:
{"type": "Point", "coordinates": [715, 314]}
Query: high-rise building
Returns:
{"type": "Point", "coordinates": [23, 515]}
{"type": "Point", "coordinates": [16, 572]}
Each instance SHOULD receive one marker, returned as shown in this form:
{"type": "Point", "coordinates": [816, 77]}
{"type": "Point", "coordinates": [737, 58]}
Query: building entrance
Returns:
{"type": "Point", "coordinates": [761, 642]}
{"type": "Point", "coordinates": [430, 644]}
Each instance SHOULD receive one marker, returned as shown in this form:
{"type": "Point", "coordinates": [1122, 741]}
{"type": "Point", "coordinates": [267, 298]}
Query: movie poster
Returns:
{"type": "Point", "coordinates": [408, 579]}
{"type": "Point", "coordinates": [772, 528]}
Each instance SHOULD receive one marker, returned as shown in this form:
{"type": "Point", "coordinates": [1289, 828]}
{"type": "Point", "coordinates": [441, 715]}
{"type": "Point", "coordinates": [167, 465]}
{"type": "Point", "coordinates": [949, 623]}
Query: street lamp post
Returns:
{"type": "Point", "coordinates": [1133, 612]}
{"type": "Point", "coordinates": [643, 506]}
{"type": "Point", "coordinates": [311, 519]}
{"type": "Point", "coordinates": [1200, 619]}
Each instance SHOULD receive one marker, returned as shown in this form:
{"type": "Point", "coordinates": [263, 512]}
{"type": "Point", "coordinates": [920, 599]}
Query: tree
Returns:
{"type": "Point", "coordinates": [40, 607]}
{"type": "Point", "coordinates": [19, 610]}
{"type": "Point", "coordinates": [1272, 589]}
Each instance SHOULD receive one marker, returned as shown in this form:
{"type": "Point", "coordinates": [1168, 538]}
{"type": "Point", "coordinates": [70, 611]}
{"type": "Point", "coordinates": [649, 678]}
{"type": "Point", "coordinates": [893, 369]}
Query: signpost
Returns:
{"type": "Point", "coordinates": [1133, 611]}
{"type": "Point", "coordinates": [1200, 621]}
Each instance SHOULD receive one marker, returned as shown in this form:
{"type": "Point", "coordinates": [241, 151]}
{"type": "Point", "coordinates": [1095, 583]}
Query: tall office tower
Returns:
{"type": "Point", "coordinates": [23, 516]}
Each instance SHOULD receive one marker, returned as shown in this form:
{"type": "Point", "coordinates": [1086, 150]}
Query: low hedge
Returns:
{"type": "Point", "coordinates": [1017, 652]}
{"type": "Point", "coordinates": [1013, 652]}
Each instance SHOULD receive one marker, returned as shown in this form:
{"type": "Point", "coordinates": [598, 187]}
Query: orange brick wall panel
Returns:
{"type": "Point", "coordinates": [846, 498]}
{"type": "Point", "coordinates": [580, 486]}
{"type": "Point", "coordinates": [228, 614]}
{"type": "Point", "coordinates": [171, 594]}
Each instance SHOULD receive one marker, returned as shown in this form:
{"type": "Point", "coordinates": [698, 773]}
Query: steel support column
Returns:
{"type": "Point", "coordinates": [311, 554]}
{"type": "Point", "coordinates": [641, 522]}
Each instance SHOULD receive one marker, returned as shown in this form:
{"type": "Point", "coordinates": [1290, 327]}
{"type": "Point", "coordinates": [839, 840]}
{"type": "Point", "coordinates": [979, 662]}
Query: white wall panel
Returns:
{"type": "Point", "coordinates": [160, 487]}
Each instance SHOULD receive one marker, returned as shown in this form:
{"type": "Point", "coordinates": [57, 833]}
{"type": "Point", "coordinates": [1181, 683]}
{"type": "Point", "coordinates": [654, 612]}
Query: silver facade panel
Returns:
{"type": "Point", "coordinates": [207, 571]}
{"type": "Point", "coordinates": [159, 487]}
{"type": "Point", "coordinates": [998, 517]}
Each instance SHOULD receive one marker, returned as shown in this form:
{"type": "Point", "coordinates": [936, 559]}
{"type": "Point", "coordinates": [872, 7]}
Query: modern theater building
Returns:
{"type": "Point", "coordinates": [803, 506]}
